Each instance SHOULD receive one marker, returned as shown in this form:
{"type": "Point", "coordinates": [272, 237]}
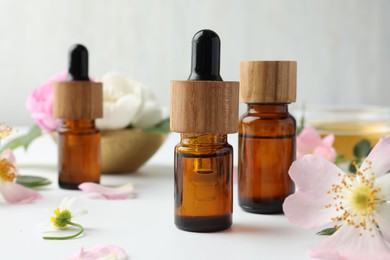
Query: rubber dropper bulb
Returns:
{"type": "Point", "coordinates": [205, 59]}
{"type": "Point", "coordinates": [78, 63]}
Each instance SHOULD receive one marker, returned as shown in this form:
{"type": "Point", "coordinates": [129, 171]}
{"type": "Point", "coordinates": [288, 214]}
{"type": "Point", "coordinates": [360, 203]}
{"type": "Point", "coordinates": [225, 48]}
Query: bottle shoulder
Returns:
{"type": "Point", "coordinates": [252, 118]}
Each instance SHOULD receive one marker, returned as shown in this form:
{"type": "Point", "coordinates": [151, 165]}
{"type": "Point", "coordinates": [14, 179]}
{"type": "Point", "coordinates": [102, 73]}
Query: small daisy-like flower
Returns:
{"type": "Point", "coordinates": [357, 205]}
{"type": "Point", "coordinates": [62, 218]}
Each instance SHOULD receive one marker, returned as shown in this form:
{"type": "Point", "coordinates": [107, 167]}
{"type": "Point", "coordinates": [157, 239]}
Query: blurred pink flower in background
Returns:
{"type": "Point", "coordinates": [40, 103]}
{"type": "Point", "coordinates": [309, 141]}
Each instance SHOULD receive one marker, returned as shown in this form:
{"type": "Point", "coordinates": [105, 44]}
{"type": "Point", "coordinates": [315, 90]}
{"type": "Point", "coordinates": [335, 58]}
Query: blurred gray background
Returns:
{"type": "Point", "coordinates": [342, 47]}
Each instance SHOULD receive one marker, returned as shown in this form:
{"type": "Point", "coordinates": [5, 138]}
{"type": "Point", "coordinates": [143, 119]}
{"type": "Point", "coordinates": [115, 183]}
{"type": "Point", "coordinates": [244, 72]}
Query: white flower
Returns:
{"type": "Point", "coordinates": [62, 217]}
{"type": "Point", "coordinates": [150, 113]}
{"type": "Point", "coordinates": [122, 100]}
{"type": "Point", "coordinates": [126, 102]}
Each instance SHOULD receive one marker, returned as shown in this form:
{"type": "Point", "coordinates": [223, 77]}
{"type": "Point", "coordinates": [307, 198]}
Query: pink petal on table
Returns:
{"type": "Point", "coordinates": [16, 193]}
{"type": "Point", "coordinates": [351, 243]}
{"type": "Point", "coordinates": [100, 252]}
{"type": "Point", "coordinates": [378, 159]}
{"type": "Point", "coordinates": [111, 193]}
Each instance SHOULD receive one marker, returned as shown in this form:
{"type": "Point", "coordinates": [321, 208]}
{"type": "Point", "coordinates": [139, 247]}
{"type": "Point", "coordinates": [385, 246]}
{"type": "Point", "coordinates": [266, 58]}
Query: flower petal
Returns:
{"type": "Point", "coordinates": [378, 159]}
{"type": "Point", "coordinates": [328, 152]}
{"type": "Point", "coordinates": [111, 193]}
{"type": "Point", "coordinates": [16, 193]}
{"type": "Point", "coordinates": [314, 177]}
{"type": "Point", "coordinates": [307, 140]}
{"type": "Point", "coordinates": [383, 219]}
{"type": "Point", "coordinates": [70, 203]}
{"type": "Point", "coordinates": [307, 211]}
{"type": "Point", "coordinates": [120, 113]}
{"type": "Point", "coordinates": [9, 156]}
{"type": "Point", "coordinates": [100, 252]}
{"type": "Point", "coordinates": [328, 140]}
{"type": "Point", "coordinates": [353, 243]}
{"type": "Point", "coordinates": [383, 183]}
{"type": "Point", "coordinates": [64, 202]}
{"type": "Point", "coordinates": [79, 212]}
{"type": "Point", "coordinates": [149, 115]}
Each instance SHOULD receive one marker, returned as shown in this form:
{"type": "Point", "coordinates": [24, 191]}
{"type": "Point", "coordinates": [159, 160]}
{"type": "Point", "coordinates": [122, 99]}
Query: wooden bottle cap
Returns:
{"type": "Point", "coordinates": [204, 107]}
{"type": "Point", "coordinates": [268, 81]}
{"type": "Point", "coordinates": [78, 100]}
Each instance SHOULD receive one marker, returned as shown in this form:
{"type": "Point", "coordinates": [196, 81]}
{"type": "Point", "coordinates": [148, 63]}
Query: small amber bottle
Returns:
{"type": "Point", "coordinates": [78, 102]}
{"type": "Point", "coordinates": [266, 135]}
{"type": "Point", "coordinates": [204, 109]}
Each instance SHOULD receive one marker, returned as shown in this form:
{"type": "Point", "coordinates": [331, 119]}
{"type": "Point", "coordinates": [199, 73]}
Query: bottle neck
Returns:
{"type": "Point", "coordinates": [78, 123]}
{"type": "Point", "coordinates": [203, 139]}
{"type": "Point", "coordinates": [268, 109]}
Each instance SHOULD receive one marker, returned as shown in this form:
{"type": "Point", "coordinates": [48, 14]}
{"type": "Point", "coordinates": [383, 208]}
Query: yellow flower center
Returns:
{"type": "Point", "coordinates": [7, 170]}
{"type": "Point", "coordinates": [355, 199]}
{"type": "Point", "coordinates": [362, 198]}
{"type": "Point", "coordinates": [61, 218]}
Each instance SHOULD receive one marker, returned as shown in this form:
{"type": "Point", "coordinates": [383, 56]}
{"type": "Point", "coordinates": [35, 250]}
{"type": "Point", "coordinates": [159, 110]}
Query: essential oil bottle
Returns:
{"type": "Point", "coordinates": [266, 135]}
{"type": "Point", "coordinates": [204, 109]}
{"type": "Point", "coordinates": [78, 102]}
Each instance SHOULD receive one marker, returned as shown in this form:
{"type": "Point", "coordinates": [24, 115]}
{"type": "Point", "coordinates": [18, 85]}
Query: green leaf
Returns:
{"type": "Point", "coordinates": [340, 159]}
{"type": "Point", "coordinates": [362, 149]}
{"type": "Point", "coordinates": [32, 181]}
{"type": "Point", "coordinates": [160, 128]}
{"type": "Point", "coordinates": [327, 231]}
{"type": "Point", "coordinates": [24, 140]}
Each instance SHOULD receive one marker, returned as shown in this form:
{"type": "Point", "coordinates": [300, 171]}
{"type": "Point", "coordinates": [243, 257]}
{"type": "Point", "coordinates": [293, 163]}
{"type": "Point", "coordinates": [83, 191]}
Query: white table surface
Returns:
{"type": "Point", "coordinates": [143, 226]}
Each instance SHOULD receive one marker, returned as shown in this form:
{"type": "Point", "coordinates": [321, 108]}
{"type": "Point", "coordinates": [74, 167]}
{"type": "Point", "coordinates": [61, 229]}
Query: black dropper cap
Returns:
{"type": "Point", "coordinates": [78, 63]}
{"type": "Point", "coordinates": [206, 48]}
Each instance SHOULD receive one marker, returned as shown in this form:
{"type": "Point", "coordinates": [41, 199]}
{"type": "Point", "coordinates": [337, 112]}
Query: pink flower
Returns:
{"type": "Point", "coordinates": [309, 142]}
{"type": "Point", "coordinates": [100, 252]}
{"type": "Point", "coordinates": [40, 103]}
{"type": "Point", "coordinates": [110, 193]}
{"type": "Point", "coordinates": [12, 191]}
{"type": "Point", "coordinates": [357, 205]}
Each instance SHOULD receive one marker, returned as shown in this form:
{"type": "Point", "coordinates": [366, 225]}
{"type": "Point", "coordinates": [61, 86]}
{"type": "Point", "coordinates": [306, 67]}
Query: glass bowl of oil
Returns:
{"type": "Point", "coordinates": [349, 124]}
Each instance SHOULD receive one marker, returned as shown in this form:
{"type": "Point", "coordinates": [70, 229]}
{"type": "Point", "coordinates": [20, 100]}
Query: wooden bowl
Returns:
{"type": "Point", "coordinates": [125, 150]}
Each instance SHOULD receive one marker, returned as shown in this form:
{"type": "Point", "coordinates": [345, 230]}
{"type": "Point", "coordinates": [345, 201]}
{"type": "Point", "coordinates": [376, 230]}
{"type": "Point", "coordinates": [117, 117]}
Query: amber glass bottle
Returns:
{"type": "Point", "coordinates": [78, 153]}
{"type": "Point", "coordinates": [266, 135]}
{"type": "Point", "coordinates": [78, 102]}
{"type": "Point", "coordinates": [204, 109]}
{"type": "Point", "coordinates": [267, 149]}
{"type": "Point", "coordinates": [203, 182]}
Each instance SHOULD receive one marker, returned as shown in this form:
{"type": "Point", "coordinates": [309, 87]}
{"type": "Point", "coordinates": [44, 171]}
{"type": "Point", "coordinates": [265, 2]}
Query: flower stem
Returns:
{"type": "Point", "coordinates": [68, 237]}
